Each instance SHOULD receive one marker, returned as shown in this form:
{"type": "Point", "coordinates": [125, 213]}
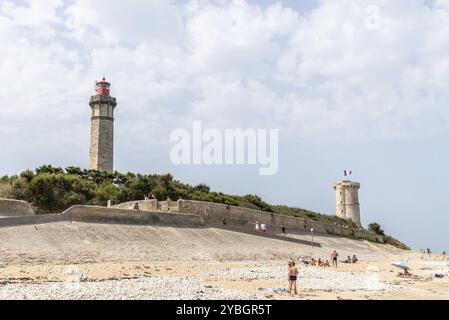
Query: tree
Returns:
{"type": "Point", "coordinates": [74, 170]}
{"type": "Point", "coordinates": [375, 228]}
{"type": "Point", "coordinates": [202, 187]}
{"type": "Point", "coordinates": [47, 168]}
{"type": "Point", "coordinates": [28, 175]}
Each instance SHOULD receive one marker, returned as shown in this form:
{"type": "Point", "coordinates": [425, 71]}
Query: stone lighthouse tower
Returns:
{"type": "Point", "coordinates": [347, 201]}
{"type": "Point", "coordinates": [102, 128]}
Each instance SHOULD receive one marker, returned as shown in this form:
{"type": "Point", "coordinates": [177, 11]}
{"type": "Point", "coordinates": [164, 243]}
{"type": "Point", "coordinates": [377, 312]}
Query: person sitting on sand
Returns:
{"type": "Point", "coordinates": [320, 263]}
{"type": "Point", "coordinates": [334, 257]}
{"type": "Point", "coordinates": [313, 262]}
{"type": "Point", "coordinates": [327, 264]}
{"type": "Point", "coordinates": [292, 277]}
{"type": "Point", "coordinates": [263, 227]}
{"type": "Point", "coordinates": [348, 260]}
{"type": "Point", "coordinates": [354, 259]}
{"type": "Point", "coordinates": [405, 274]}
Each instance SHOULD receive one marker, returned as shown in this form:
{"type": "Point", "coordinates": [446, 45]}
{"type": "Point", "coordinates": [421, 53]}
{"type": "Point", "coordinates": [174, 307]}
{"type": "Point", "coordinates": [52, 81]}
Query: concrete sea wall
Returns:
{"type": "Point", "coordinates": [115, 215]}
{"type": "Point", "coordinates": [15, 208]}
{"type": "Point", "coordinates": [177, 213]}
{"type": "Point", "coordinates": [214, 213]}
{"type": "Point", "coordinates": [147, 205]}
{"type": "Point", "coordinates": [108, 215]}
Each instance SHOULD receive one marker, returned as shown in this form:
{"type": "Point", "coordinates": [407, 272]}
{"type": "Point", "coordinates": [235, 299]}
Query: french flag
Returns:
{"type": "Point", "coordinates": [347, 172]}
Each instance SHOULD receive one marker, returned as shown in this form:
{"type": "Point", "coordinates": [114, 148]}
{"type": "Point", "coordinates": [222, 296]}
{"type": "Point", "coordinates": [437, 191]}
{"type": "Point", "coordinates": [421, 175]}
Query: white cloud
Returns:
{"type": "Point", "coordinates": [32, 13]}
{"type": "Point", "coordinates": [125, 22]}
{"type": "Point", "coordinates": [236, 39]}
{"type": "Point", "coordinates": [317, 76]}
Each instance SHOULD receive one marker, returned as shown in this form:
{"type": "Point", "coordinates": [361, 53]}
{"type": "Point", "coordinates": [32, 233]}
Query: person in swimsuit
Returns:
{"type": "Point", "coordinates": [334, 258]}
{"type": "Point", "coordinates": [292, 277]}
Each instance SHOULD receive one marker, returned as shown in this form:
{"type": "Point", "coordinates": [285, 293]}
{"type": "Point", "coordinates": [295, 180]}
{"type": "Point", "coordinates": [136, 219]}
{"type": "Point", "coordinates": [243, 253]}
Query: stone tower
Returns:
{"type": "Point", "coordinates": [347, 201]}
{"type": "Point", "coordinates": [102, 128]}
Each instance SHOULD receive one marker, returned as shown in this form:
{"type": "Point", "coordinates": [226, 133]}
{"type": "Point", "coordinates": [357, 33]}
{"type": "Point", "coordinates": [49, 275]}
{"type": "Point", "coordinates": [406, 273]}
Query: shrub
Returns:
{"type": "Point", "coordinates": [375, 228]}
{"type": "Point", "coordinates": [6, 190]}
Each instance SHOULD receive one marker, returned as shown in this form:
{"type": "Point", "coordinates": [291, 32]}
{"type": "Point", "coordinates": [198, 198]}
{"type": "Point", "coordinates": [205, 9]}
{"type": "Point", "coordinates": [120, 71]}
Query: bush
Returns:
{"type": "Point", "coordinates": [375, 228]}
{"type": "Point", "coordinates": [6, 190]}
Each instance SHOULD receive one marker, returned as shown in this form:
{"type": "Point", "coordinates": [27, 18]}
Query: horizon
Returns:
{"type": "Point", "coordinates": [357, 86]}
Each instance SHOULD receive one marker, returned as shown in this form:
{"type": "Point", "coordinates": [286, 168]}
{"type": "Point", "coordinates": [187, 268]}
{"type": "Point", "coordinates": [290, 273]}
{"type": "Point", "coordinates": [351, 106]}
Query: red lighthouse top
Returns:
{"type": "Point", "coordinates": [102, 87]}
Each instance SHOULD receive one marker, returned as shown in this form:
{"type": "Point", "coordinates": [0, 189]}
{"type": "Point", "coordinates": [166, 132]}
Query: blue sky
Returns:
{"type": "Point", "coordinates": [349, 84]}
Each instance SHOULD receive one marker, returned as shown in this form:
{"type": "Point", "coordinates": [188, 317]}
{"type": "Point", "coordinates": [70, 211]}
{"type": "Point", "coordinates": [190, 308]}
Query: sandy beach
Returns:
{"type": "Point", "coordinates": [106, 261]}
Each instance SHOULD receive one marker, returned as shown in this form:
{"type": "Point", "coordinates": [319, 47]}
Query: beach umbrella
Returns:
{"type": "Point", "coordinates": [401, 265]}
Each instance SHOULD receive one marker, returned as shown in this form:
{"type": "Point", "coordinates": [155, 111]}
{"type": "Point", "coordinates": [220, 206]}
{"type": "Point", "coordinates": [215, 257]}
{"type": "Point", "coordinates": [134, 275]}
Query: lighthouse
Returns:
{"type": "Point", "coordinates": [102, 128]}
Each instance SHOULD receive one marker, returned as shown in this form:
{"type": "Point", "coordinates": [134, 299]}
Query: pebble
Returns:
{"type": "Point", "coordinates": [311, 278]}
{"type": "Point", "coordinates": [146, 288]}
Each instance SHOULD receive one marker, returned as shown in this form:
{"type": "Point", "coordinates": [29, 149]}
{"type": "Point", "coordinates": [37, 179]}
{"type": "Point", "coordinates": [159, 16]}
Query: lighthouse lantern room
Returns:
{"type": "Point", "coordinates": [102, 87]}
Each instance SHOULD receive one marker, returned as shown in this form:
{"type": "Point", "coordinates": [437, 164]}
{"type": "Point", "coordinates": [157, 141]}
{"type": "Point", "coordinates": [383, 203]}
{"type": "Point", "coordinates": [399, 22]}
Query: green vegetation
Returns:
{"type": "Point", "coordinates": [375, 228]}
{"type": "Point", "coordinates": [396, 243]}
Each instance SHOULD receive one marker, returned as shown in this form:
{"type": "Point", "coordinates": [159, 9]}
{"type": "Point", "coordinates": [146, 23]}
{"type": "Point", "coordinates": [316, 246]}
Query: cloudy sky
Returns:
{"type": "Point", "coordinates": [350, 84]}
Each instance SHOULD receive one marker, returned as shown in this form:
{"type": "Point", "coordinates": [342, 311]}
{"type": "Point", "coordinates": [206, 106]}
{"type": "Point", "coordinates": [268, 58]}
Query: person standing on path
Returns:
{"type": "Point", "coordinates": [283, 230]}
{"type": "Point", "coordinates": [334, 258]}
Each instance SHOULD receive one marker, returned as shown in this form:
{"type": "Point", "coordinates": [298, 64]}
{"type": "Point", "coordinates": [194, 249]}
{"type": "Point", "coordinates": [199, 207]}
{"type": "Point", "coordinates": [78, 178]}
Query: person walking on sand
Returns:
{"type": "Point", "coordinates": [292, 277]}
{"type": "Point", "coordinates": [334, 258]}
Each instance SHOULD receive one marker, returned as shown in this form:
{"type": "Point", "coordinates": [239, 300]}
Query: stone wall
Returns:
{"type": "Point", "coordinates": [27, 220]}
{"type": "Point", "coordinates": [108, 215]}
{"type": "Point", "coordinates": [183, 213]}
{"type": "Point", "coordinates": [15, 208]}
{"type": "Point", "coordinates": [115, 215]}
{"type": "Point", "coordinates": [146, 205]}
{"type": "Point", "coordinates": [214, 213]}
{"type": "Point", "coordinates": [168, 206]}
